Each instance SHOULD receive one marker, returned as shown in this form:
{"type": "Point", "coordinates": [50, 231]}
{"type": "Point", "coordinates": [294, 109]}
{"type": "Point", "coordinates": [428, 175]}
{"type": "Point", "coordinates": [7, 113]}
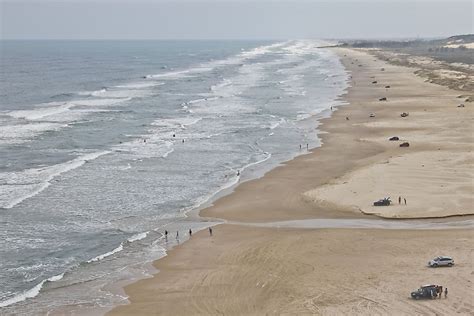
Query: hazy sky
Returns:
{"type": "Point", "coordinates": [237, 19]}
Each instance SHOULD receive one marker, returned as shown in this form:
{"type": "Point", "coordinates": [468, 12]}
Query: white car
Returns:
{"type": "Point", "coordinates": [441, 261]}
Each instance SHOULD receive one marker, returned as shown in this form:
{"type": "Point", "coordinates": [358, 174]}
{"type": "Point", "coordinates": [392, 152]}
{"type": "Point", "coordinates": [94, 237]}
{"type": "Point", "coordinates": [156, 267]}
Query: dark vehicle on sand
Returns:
{"type": "Point", "coordinates": [383, 202]}
{"type": "Point", "coordinates": [426, 291]}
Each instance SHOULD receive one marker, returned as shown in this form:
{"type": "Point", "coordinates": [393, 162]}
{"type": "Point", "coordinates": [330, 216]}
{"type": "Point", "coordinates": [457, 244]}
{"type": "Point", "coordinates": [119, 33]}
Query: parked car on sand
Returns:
{"type": "Point", "coordinates": [441, 261]}
{"type": "Point", "coordinates": [425, 291]}
{"type": "Point", "coordinates": [383, 202]}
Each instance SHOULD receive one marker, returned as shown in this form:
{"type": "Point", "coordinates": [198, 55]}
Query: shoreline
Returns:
{"type": "Point", "coordinates": [251, 202]}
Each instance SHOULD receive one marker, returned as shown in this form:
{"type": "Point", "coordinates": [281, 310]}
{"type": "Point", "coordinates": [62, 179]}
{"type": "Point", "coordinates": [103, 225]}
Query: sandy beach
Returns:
{"type": "Point", "coordinates": [249, 270]}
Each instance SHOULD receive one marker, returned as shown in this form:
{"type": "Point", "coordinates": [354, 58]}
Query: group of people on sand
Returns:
{"type": "Point", "coordinates": [400, 200]}
{"type": "Point", "coordinates": [190, 232]}
{"type": "Point", "coordinates": [439, 292]}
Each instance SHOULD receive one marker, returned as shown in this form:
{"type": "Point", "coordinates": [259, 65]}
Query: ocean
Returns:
{"type": "Point", "coordinates": [105, 144]}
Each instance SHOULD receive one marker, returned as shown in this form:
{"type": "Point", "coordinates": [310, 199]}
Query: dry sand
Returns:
{"type": "Point", "coordinates": [245, 270]}
{"type": "Point", "coordinates": [459, 75]}
{"type": "Point", "coordinates": [248, 271]}
{"type": "Point", "coordinates": [435, 174]}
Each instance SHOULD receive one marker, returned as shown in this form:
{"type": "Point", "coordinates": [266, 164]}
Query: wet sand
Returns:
{"type": "Point", "coordinates": [258, 270]}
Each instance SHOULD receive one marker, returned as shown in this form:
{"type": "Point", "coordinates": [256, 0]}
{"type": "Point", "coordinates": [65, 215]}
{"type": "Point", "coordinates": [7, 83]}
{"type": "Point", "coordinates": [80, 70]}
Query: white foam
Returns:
{"type": "Point", "coordinates": [100, 102]}
{"type": "Point", "coordinates": [98, 92]}
{"type": "Point", "coordinates": [224, 83]}
{"type": "Point", "coordinates": [167, 153]}
{"type": "Point", "coordinates": [303, 47]}
{"type": "Point", "coordinates": [249, 75]}
{"type": "Point", "coordinates": [211, 65]}
{"type": "Point", "coordinates": [201, 100]}
{"type": "Point", "coordinates": [125, 94]}
{"type": "Point", "coordinates": [15, 187]}
{"type": "Point", "coordinates": [140, 85]}
{"type": "Point", "coordinates": [137, 237]}
{"type": "Point", "coordinates": [107, 254]}
{"type": "Point", "coordinates": [150, 146]}
{"type": "Point", "coordinates": [267, 156]}
{"type": "Point", "coordinates": [258, 51]}
{"type": "Point", "coordinates": [180, 73]}
{"type": "Point", "coordinates": [159, 141]}
{"type": "Point", "coordinates": [33, 292]}
{"type": "Point", "coordinates": [52, 117]}
{"type": "Point", "coordinates": [21, 133]}
{"type": "Point", "coordinates": [276, 124]}
{"type": "Point", "coordinates": [38, 113]}
{"type": "Point", "coordinates": [180, 122]}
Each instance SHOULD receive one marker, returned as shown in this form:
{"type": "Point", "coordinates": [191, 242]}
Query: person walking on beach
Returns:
{"type": "Point", "coordinates": [446, 292]}
{"type": "Point", "coordinates": [177, 235]}
{"type": "Point", "coordinates": [190, 232]}
{"type": "Point", "coordinates": [399, 200]}
{"type": "Point", "coordinates": [166, 235]}
{"type": "Point", "coordinates": [405, 201]}
{"type": "Point", "coordinates": [300, 146]}
{"type": "Point", "coordinates": [307, 146]}
{"type": "Point", "coordinates": [210, 231]}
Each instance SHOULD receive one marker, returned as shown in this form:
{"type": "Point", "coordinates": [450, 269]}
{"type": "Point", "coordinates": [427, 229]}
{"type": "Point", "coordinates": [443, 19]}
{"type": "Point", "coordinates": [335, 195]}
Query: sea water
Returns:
{"type": "Point", "coordinates": [105, 144]}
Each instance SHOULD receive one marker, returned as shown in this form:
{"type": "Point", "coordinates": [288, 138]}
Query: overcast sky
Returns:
{"type": "Point", "coordinates": [237, 19]}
